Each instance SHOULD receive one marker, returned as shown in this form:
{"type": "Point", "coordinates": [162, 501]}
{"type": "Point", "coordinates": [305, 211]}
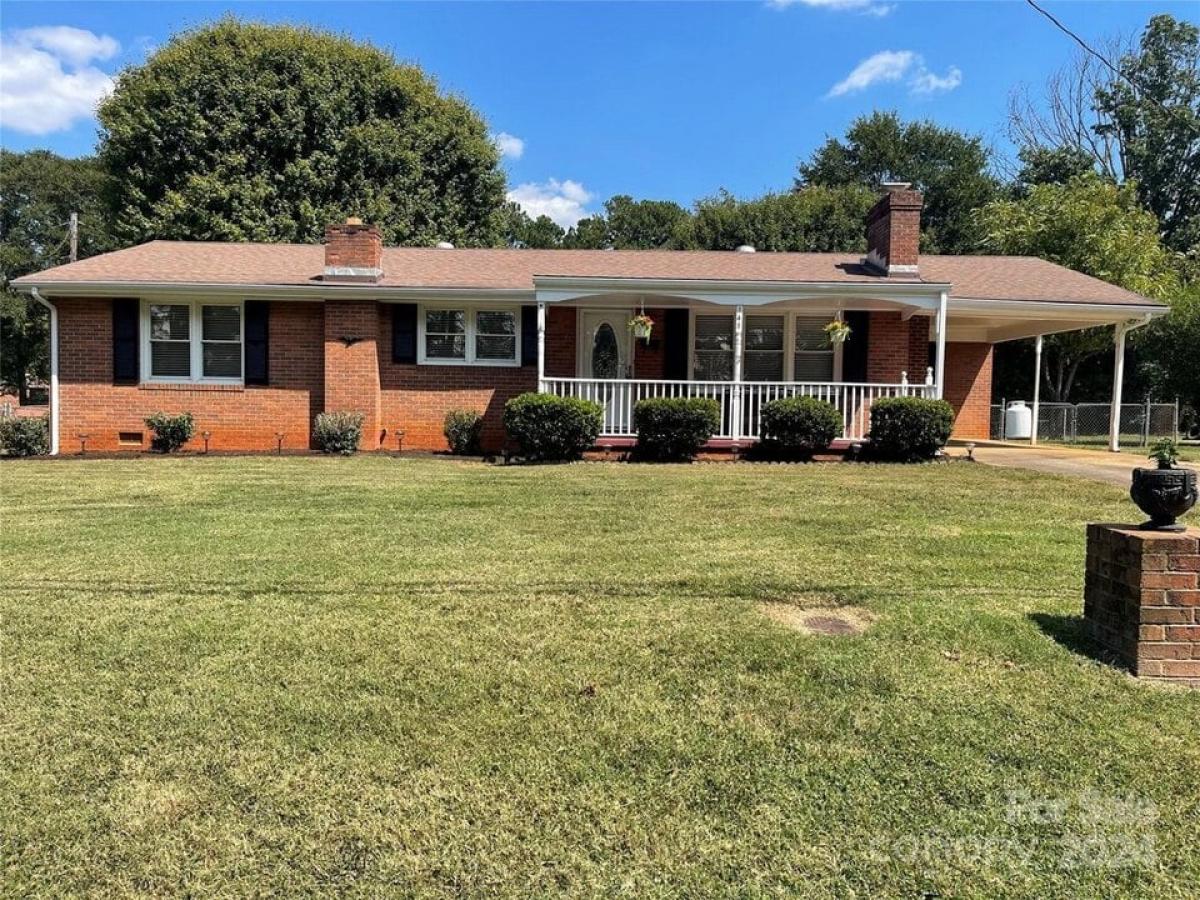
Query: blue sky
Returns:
{"type": "Point", "coordinates": [661, 100]}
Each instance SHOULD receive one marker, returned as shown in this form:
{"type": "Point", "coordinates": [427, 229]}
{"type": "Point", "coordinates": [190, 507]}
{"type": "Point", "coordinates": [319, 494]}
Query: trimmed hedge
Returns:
{"type": "Point", "coordinates": [674, 428]}
{"type": "Point", "coordinates": [798, 427]}
{"type": "Point", "coordinates": [909, 429]}
{"type": "Point", "coordinates": [462, 428]}
{"type": "Point", "coordinates": [170, 432]}
{"type": "Point", "coordinates": [25, 435]}
{"type": "Point", "coordinates": [546, 427]}
{"type": "Point", "coordinates": [338, 432]}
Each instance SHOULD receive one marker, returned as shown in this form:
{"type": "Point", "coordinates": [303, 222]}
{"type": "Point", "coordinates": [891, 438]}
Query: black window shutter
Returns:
{"type": "Point", "coordinates": [854, 351]}
{"type": "Point", "coordinates": [258, 341]}
{"type": "Point", "coordinates": [675, 345]}
{"type": "Point", "coordinates": [404, 332]}
{"type": "Point", "coordinates": [529, 335]}
{"type": "Point", "coordinates": [125, 313]}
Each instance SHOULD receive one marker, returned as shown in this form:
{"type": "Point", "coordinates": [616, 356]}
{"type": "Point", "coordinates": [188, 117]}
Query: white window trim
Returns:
{"type": "Point", "coordinates": [195, 341]}
{"type": "Point", "coordinates": [789, 342]}
{"type": "Point", "coordinates": [470, 310]}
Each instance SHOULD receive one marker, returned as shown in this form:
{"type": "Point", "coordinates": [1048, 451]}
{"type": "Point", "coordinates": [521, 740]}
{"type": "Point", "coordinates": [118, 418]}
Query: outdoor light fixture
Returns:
{"type": "Point", "coordinates": [279, 443]}
{"type": "Point", "coordinates": [83, 439]}
{"type": "Point", "coordinates": [399, 440]}
{"type": "Point", "coordinates": [206, 435]}
{"type": "Point", "coordinates": [971, 451]}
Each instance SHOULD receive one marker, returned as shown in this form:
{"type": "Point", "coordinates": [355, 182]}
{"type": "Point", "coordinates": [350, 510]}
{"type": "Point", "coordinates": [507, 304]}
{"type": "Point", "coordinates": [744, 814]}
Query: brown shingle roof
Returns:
{"type": "Point", "coordinates": [178, 262]}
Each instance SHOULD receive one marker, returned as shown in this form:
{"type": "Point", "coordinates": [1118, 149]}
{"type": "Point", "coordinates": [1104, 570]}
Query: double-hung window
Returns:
{"type": "Point", "coordinates": [469, 336]}
{"type": "Point", "coordinates": [712, 354]}
{"type": "Point", "coordinates": [813, 353]}
{"type": "Point", "coordinates": [762, 353]}
{"type": "Point", "coordinates": [193, 341]}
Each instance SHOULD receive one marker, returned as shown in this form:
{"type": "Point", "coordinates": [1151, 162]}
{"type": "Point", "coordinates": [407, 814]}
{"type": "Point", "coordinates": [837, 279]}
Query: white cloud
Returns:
{"type": "Point", "coordinates": [46, 82]}
{"type": "Point", "coordinates": [887, 65]}
{"type": "Point", "coordinates": [925, 82]}
{"type": "Point", "coordinates": [863, 7]}
{"type": "Point", "coordinates": [897, 65]}
{"type": "Point", "coordinates": [563, 201]}
{"type": "Point", "coordinates": [509, 144]}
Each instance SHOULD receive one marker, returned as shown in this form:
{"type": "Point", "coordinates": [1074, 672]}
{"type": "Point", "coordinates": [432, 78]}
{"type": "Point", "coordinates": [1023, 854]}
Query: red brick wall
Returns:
{"type": "Point", "coordinates": [352, 330]}
{"type": "Point", "coordinates": [561, 334]}
{"type": "Point", "coordinates": [969, 388]}
{"type": "Point", "coordinates": [918, 349]}
{"type": "Point", "coordinates": [649, 360]}
{"type": "Point", "coordinates": [887, 348]}
{"type": "Point", "coordinates": [239, 418]}
{"type": "Point", "coordinates": [415, 399]}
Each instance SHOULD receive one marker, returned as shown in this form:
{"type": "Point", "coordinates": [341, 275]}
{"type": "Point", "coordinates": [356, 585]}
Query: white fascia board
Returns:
{"type": "Point", "coordinates": [314, 292]}
{"type": "Point", "coordinates": [554, 289]}
{"type": "Point", "coordinates": [1107, 313]}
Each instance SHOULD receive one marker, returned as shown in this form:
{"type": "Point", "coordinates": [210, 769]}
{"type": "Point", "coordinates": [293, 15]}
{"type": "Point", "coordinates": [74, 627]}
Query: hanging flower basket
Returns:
{"type": "Point", "coordinates": [641, 325]}
{"type": "Point", "coordinates": [837, 331]}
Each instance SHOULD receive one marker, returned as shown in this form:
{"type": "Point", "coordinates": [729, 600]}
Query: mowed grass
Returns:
{"type": "Point", "coordinates": [425, 677]}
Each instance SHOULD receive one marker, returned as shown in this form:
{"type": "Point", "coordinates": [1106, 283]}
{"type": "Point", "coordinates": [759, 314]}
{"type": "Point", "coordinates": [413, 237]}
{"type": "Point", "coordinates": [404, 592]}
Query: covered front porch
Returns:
{"type": "Point", "coordinates": [741, 349]}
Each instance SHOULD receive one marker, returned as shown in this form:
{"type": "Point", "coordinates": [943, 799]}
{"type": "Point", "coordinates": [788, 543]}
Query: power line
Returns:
{"type": "Point", "coordinates": [1082, 43]}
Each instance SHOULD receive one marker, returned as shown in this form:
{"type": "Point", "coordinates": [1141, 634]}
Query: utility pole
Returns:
{"type": "Point", "coordinates": [74, 231]}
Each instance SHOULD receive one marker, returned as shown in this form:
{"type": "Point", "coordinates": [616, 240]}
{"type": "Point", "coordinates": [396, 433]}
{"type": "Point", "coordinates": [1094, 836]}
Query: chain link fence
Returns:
{"type": "Point", "coordinates": [1088, 423]}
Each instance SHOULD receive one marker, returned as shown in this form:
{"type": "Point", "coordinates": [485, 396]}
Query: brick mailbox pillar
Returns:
{"type": "Point", "coordinates": [1141, 598]}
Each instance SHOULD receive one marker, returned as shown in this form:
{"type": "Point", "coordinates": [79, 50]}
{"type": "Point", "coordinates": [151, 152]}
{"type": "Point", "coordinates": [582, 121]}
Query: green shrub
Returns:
{"type": "Point", "coordinates": [462, 428]}
{"type": "Point", "coordinates": [546, 427]}
{"type": "Point", "coordinates": [25, 435]}
{"type": "Point", "coordinates": [798, 427]}
{"type": "Point", "coordinates": [909, 429]}
{"type": "Point", "coordinates": [338, 432]}
{"type": "Point", "coordinates": [674, 428]}
{"type": "Point", "coordinates": [170, 432]}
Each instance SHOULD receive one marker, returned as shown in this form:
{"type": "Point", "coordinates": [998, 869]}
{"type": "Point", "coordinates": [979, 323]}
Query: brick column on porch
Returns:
{"type": "Point", "coordinates": [1142, 598]}
{"type": "Point", "coordinates": [352, 364]}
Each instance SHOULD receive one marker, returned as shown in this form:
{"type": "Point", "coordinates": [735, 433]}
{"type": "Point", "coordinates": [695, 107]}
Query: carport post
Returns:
{"type": "Point", "coordinates": [940, 389]}
{"type": "Point", "coordinates": [1114, 419]}
{"type": "Point", "coordinates": [1037, 387]}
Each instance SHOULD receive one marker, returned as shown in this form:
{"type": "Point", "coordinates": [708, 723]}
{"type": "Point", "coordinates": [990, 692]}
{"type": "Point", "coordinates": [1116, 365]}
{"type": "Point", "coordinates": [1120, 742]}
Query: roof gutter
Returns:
{"type": "Point", "coordinates": [311, 292]}
{"type": "Point", "coordinates": [53, 368]}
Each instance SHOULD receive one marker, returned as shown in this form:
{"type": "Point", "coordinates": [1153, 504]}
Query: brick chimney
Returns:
{"type": "Point", "coordinates": [353, 252]}
{"type": "Point", "coordinates": [894, 229]}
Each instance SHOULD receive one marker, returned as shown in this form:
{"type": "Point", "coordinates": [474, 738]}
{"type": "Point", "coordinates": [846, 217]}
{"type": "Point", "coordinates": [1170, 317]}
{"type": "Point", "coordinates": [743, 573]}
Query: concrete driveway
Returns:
{"type": "Point", "coordinates": [1096, 465]}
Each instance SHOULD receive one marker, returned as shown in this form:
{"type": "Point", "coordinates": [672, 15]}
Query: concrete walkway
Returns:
{"type": "Point", "coordinates": [1096, 465]}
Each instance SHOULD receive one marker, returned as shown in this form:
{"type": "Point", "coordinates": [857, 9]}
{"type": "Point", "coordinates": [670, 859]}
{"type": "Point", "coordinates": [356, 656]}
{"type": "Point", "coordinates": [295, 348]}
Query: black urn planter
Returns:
{"type": "Point", "coordinates": [1164, 495]}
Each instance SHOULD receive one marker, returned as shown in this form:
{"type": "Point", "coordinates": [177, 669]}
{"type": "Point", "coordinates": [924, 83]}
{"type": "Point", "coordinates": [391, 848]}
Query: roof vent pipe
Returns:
{"type": "Point", "coordinates": [745, 248]}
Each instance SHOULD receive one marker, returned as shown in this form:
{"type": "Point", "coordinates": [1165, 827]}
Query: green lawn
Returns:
{"type": "Point", "coordinates": [420, 676]}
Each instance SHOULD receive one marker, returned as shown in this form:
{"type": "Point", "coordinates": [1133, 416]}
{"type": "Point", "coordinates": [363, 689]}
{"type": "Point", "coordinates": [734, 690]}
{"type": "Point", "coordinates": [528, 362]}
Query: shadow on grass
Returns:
{"type": "Point", "coordinates": [1071, 632]}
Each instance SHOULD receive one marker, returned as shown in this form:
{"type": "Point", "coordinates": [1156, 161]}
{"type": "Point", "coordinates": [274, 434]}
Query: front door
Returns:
{"type": "Point", "coordinates": [604, 348]}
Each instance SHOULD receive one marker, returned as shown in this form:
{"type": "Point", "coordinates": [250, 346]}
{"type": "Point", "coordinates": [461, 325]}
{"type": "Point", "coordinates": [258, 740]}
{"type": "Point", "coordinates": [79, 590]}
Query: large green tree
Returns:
{"type": "Point", "coordinates": [1091, 225]}
{"type": "Point", "coordinates": [952, 168]}
{"type": "Point", "coordinates": [524, 233]}
{"type": "Point", "coordinates": [38, 192]}
{"type": "Point", "coordinates": [1132, 113]}
{"type": "Point", "coordinates": [1153, 111]}
{"type": "Point", "coordinates": [814, 219]}
{"type": "Point", "coordinates": [240, 131]}
{"type": "Point", "coordinates": [628, 224]}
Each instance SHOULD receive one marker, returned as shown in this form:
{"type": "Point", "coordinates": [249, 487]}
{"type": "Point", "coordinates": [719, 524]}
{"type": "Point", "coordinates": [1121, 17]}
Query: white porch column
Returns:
{"type": "Point", "coordinates": [1037, 387]}
{"type": "Point", "coordinates": [739, 340]}
{"type": "Point", "coordinates": [541, 345]}
{"type": "Point", "coordinates": [1114, 419]}
{"type": "Point", "coordinates": [940, 385]}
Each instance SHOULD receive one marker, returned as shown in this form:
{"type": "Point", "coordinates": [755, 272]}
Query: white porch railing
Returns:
{"type": "Point", "coordinates": [619, 396]}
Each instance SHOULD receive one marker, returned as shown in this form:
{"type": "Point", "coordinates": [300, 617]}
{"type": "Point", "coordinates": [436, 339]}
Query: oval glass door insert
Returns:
{"type": "Point", "coordinates": [606, 357]}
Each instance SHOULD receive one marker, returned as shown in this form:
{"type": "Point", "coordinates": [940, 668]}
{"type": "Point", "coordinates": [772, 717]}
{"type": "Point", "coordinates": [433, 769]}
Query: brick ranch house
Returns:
{"type": "Point", "coordinates": [257, 339]}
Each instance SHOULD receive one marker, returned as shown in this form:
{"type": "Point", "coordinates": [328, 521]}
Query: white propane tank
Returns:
{"type": "Point", "coordinates": [1018, 421]}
